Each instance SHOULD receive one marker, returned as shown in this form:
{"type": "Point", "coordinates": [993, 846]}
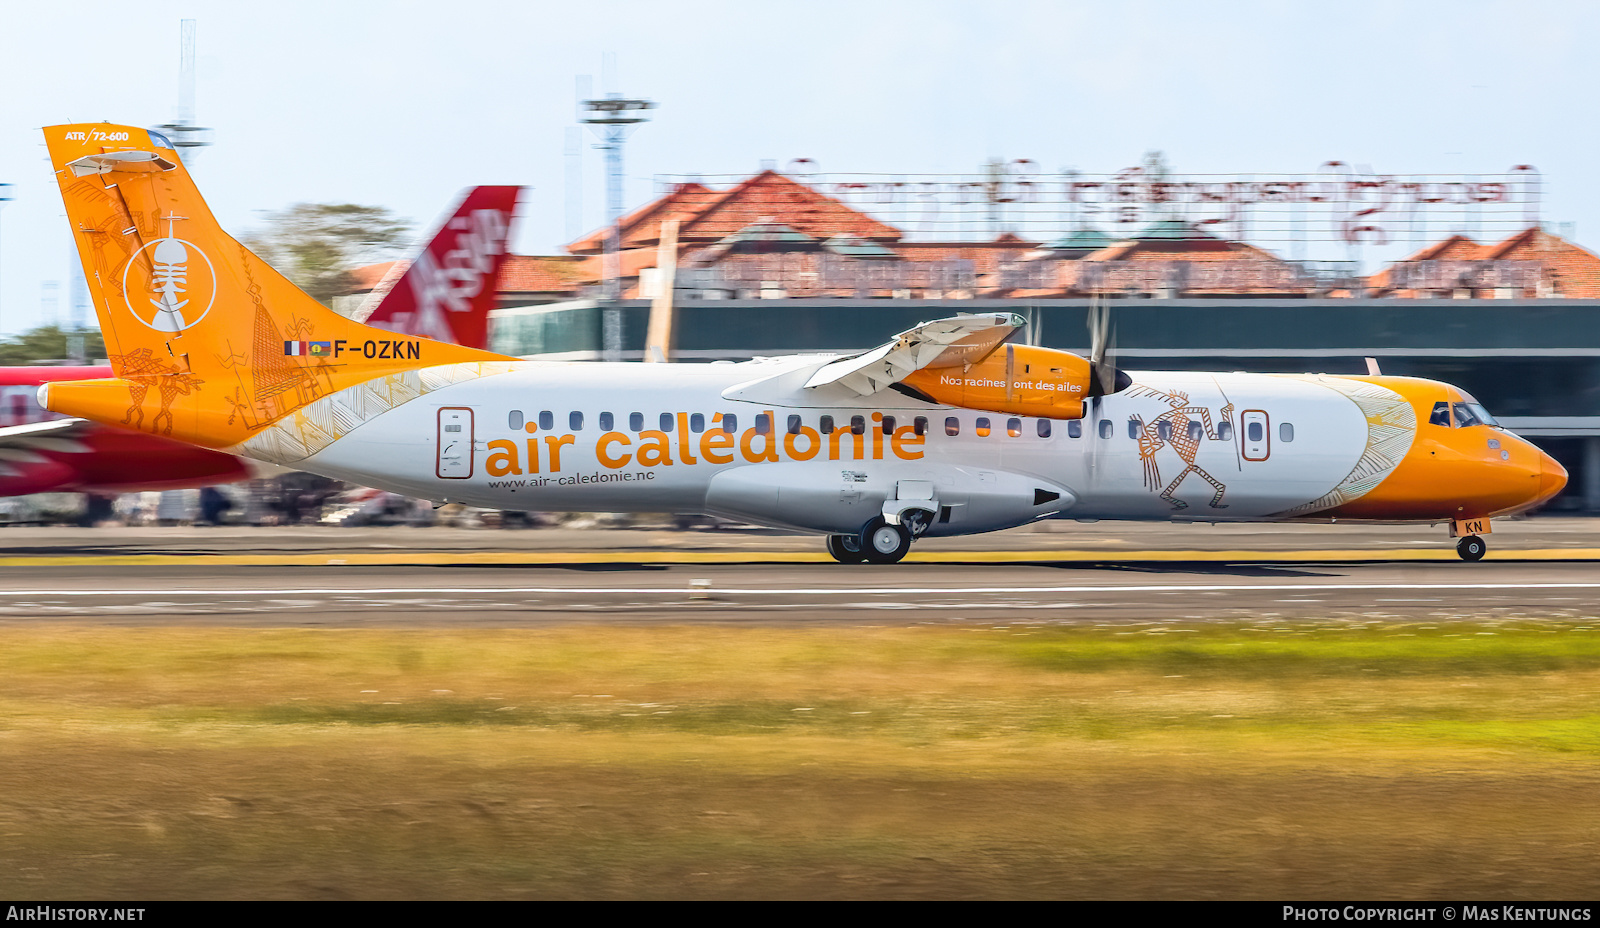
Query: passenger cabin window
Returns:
{"type": "Point", "coordinates": [952, 426]}
{"type": "Point", "coordinates": [1195, 431]}
{"type": "Point", "coordinates": [1285, 431]}
{"type": "Point", "coordinates": [607, 422]}
{"type": "Point", "coordinates": [826, 425]}
{"type": "Point", "coordinates": [697, 423]}
{"type": "Point", "coordinates": [574, 421]}
{"type": "Point", "coordinates": [1134, 427]}
{"type": "Point", "coordinates": [1074, 428]}
{"type": "Point", "coordinates": [547, 420]}
{"type": "Point", "coordinates": [1225, 431]}
{"type": "Point", "coordinates": [636, 421]}
{"type": "Point", "coordinates": [794, 425]}
{"type": "Point", "coordinates": [858, 425]}
{"type": "Point", "coordinates": [730, 423]}
{"type": "Point", "coordinates": [666, 422]}
{"type": "Point", "coordinates": [1044, 428]}
{"type": "Point", "coordinates": [514, 421]}
{"type": "Point", "coordinates": [1254, 432]}
{"type": "Point", "coordinates": [1164, 430]}
{"type": "Point", "coordinates": [888, 425]}
{"type": "Point", "coordinates": [763, 424]}
{"type": "Point", "coordinates": [1105, 428]}
{"type": "Point", "coordinates": [982, 427]}
{"type": "Point", "coordinates": [919, 426]}
{"type": "Point", "coordinates": [1014, 427]}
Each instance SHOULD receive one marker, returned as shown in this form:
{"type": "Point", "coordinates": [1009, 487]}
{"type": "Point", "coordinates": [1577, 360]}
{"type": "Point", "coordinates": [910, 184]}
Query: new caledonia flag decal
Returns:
{"type": "Point", "coordinates": [308, 349]}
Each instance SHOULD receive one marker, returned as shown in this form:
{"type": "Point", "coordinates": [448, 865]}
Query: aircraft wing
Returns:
{"type": "Point", "coordinates": [954, 342]}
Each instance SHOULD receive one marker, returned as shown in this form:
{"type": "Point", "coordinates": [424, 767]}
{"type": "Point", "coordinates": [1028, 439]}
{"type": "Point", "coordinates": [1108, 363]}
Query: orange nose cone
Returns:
{"type": "Point", "coordinates": [1552, 477]}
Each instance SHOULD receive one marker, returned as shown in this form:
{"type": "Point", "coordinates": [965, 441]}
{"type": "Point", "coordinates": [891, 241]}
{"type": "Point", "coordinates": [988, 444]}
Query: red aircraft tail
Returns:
{"type": "Point", "coordinates": [446, 294]}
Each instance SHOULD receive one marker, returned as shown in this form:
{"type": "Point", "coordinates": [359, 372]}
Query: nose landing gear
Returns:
{"type": "Point", "coordinates": [1470, 546]}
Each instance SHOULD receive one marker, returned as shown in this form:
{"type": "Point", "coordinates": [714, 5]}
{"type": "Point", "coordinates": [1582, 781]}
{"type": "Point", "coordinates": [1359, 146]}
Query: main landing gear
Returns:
{"type": "Point", "coordinates": [879, 542]}
{"type": "Point", "coordinates": [1471, 548]}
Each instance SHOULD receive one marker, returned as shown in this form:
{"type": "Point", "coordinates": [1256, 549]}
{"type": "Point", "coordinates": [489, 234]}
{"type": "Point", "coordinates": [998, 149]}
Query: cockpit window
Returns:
{"type": "Point", "coordinates": [159, 140]}
{"type": "Point", "coordinates": [1477, 410]}
{"type": "Point", "coordinates": [1482, 414]}
{"type": "Point", "coordinates": [1466, 415]}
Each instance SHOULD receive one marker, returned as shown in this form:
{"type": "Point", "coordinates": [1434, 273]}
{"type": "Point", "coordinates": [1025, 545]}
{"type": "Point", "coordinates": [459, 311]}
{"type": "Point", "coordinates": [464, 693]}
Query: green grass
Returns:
{"type": "Point", "coordinates": [1404, 760]}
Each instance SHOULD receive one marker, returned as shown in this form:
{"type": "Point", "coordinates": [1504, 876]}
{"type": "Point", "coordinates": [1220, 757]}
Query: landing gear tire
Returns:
{"type": "Point", "coordinates": [885, 543]}
{"type": "Point", "coordinates": [1471, 548]}
{"type": "Point", "coordinates": [846, 549]}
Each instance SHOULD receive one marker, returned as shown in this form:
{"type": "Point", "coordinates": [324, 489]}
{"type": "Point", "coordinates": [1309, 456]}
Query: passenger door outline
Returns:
{"type": "Point", "coordinates": [456, 445]}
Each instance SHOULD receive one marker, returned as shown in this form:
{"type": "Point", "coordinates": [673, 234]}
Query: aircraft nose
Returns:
{"type": "Point", "coordinates": [1552, 477]}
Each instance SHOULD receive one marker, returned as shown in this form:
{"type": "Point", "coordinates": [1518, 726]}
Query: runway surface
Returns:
{"type": "Point", "coordinates": [432, 578]}
{"type": "Point", "coordinates": [1041, 592]}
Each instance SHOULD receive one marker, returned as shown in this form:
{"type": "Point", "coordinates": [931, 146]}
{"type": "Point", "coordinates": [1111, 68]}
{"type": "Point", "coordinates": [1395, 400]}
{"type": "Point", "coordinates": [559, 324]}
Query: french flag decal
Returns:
{"type": "Point", "coordinates": [296, 349]}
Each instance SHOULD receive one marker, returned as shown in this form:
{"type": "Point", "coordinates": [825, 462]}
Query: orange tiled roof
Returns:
{"type": "Point", "coordinates": [683, 202]}
{"type": "Point", "coordinates": [541, 274]}
{"type": "Point", "coordinates": [366, 278]}
{"type": "Point", "coordinates": [707, 215]}
{"type": "Point", "coordinates": [1573, 271]}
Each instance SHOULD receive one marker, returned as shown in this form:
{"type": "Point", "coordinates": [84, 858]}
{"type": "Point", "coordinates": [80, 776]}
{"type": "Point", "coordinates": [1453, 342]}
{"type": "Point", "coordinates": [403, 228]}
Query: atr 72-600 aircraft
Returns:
{"type": "Point", "coordinates": [948, 429]}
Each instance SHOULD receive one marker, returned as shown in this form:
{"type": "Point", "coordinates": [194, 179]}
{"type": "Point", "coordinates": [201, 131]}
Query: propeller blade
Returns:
{"type": "Point", "coordinates": [1106, 370]}
{"type": "Point", "coordinates": [1103, 349]}
{"type": "Point", "coordinates": [1099, 319]}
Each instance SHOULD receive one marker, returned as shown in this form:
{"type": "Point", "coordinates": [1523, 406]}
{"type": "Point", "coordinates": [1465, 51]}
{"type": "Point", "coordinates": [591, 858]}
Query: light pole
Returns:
{"type": "Point", "coordinates": [184, 135]}
{"type": "Point", "coordinates": [5, 197]}
{"type": "Point", "coordinates": [611, 118]}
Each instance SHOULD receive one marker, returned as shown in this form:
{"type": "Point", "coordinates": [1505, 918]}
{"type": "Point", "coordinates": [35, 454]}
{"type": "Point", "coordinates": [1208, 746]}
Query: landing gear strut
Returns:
{"type": "Point", "coordinates": [1471, 548]}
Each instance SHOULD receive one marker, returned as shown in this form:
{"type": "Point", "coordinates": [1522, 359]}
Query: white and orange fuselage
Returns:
{"type": "Point", "coordinates": [1190, 446]}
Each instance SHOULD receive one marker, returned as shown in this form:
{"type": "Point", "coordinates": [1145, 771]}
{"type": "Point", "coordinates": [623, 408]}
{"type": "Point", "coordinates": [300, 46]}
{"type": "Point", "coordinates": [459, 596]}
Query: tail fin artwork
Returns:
{"type": "Point", "coordinates": [237, 357]}
{"type": "Point", "coordinates": [446, 294]}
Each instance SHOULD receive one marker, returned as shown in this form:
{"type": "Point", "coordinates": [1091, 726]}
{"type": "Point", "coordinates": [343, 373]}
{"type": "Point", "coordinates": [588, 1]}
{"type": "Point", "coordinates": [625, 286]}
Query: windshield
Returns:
{"type": "Point", "coordinates": [1465, 415]}
{"type": "Point", "coordinates": [1480, 416]}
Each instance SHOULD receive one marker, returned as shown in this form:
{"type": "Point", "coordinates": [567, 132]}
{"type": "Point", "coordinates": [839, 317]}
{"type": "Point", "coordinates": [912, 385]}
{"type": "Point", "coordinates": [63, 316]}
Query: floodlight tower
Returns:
{"type": "Point", "coordinates": [182, 132]}
{"type": "Point", "coordinates": [611, 119]}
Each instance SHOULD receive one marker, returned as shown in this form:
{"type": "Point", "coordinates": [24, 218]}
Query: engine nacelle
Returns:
{"type": "Point", "coordinates": [1018, 379]}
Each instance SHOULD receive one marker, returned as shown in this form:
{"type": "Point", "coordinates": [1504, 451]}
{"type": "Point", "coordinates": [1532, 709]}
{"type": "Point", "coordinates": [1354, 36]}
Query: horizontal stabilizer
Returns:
{"type": "Point", "coordinates": [957, 342]}
{"type": "Point", "coordinates": [62, 435]}
{"type": "Point", "coordinates": [126, 161]}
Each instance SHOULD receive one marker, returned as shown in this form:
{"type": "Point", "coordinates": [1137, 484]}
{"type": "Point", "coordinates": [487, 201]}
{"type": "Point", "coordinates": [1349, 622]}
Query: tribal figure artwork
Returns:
{"type": "Point", "coordinates": [1175, 429]}
{"type": "Point", "coordinates": [143, 371]}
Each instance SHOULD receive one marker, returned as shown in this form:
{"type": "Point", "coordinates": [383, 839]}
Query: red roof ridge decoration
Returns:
{"type": "Point", "coordinates": [706, 216]}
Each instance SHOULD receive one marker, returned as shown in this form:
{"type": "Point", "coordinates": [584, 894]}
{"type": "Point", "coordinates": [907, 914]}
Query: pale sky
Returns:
{"type": "Point", "coordinates": [403, 104]}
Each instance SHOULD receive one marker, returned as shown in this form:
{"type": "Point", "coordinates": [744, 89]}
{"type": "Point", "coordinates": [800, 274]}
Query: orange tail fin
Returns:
{"type": "Point", "coordinates": [225, 348]}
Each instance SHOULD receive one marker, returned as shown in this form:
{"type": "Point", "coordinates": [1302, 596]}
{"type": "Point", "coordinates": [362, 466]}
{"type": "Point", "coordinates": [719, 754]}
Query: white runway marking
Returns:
{"type": "Point", "coordinates": [811, 591]}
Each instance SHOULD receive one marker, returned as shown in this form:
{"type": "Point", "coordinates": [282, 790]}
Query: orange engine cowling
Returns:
{"type": "Point", "coordinates": [1019, 379]}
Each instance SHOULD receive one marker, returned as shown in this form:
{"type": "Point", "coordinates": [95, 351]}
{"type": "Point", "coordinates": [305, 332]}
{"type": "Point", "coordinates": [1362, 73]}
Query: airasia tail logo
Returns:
{"type": "Point", "coordinates": [448, 282]}
{"type": "Point", "coordinates": [169, 284]}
